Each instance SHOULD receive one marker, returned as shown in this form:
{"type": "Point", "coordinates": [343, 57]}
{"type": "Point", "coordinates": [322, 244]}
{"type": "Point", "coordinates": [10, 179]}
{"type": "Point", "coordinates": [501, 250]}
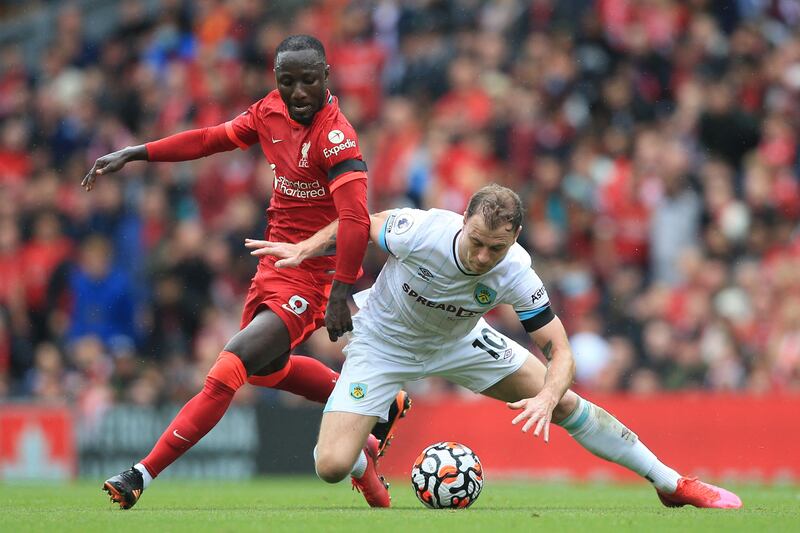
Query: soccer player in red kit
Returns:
{"type": "Point", "coordinates": [319, 176]}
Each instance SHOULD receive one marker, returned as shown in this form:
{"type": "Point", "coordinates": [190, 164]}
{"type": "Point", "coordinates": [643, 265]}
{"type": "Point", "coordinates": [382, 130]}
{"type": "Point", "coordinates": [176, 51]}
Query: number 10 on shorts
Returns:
{"type": "Point", "coordinates": [492, 344]}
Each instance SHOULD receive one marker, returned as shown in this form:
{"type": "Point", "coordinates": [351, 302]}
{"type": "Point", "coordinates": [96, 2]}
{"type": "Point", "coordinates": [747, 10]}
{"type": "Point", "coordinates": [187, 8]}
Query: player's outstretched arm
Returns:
{"type": "Point", "coordinates": [113, 162]}
{"type": "Point", "coordinates": [322, 242]}
{"type": "Point", "coordinates": [183, 146]}
{"type": "Point", "coordinates": [552, 340]}
{"type": "Point", "coordinates": [376, 223]}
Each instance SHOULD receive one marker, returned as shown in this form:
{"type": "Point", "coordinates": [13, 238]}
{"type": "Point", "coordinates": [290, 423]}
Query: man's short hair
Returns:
{"type": "Point", "coordinates": [297, 43]}
{"type": "Point", "coordinates": [498, 205]}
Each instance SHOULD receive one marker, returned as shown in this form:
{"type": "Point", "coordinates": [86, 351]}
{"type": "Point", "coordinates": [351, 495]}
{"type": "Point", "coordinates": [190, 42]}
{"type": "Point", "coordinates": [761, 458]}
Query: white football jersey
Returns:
{"type": "Point", "coordinates": [424, 297]}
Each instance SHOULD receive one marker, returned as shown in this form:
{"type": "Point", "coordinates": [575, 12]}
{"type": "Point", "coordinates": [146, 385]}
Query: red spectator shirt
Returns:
{"type": "Point", "coordinates": [359, 66]}
{"type": "Point", "coordinates": [308, 161]}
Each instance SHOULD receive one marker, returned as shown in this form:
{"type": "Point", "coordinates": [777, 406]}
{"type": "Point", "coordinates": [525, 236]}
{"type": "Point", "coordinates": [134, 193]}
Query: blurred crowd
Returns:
{"type": "Point", "coordinates": [654, 143]}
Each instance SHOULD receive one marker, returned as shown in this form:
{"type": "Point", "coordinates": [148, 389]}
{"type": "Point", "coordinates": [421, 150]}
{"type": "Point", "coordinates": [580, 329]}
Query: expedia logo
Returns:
{"type": "Point", "coordinates": [358, 390]}
{"type": "Point", "coordinates": [457, 312]}
{"type": "Point", "coordinates": [484, 295]}
{"type": "Point", "coordinates": [349, 143]}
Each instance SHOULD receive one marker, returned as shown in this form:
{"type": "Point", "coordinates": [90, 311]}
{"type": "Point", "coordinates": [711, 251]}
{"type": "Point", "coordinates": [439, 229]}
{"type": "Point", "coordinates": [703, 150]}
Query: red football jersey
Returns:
{"type": "Point", "coordinates": [308, 161]}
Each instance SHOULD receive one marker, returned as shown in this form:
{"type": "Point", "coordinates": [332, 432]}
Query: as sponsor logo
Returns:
{"type": "Point", "coordinates": [455, 312]}
{"type": "Point", "coordinates": [330, 152]}
{"type": "Point", "coordinates": [538, 295]}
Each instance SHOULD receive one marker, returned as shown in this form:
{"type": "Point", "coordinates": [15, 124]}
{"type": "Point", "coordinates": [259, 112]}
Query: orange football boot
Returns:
{"type": "Point", "coordinates": [692, 491]}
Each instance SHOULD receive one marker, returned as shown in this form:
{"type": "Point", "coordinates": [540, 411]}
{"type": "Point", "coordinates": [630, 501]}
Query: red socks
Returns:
{"type": "Point", "coordinates": [304, 376]}
{"type": "Point", "coordinates": [200, 414]}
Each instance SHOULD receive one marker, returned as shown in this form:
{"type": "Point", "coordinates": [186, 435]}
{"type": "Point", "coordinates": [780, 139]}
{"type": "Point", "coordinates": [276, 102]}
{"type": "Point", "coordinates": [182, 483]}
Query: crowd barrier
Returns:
{"type": "Point", "coordinates": [718, 436]}
{"type": "Point", "coordinates": [39, 442]}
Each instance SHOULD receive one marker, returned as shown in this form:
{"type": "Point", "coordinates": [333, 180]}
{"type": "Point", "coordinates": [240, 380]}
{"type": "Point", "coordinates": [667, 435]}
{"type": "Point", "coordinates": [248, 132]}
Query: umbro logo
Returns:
{"type": "Point", "coordinates": [425, 274]}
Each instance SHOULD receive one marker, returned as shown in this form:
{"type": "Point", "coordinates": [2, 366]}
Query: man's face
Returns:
{"type": "Point", "coordinates": [302, 79]}
{"type": "Point", "coordinates": [481, 248]}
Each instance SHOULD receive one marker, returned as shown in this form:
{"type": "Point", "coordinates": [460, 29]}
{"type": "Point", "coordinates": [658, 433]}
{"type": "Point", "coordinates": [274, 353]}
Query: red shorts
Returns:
{"type": "Point", "coordinates": [299, 297]}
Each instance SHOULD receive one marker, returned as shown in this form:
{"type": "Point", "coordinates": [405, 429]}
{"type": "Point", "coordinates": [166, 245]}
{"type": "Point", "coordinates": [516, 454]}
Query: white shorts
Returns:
{"type": "Point", "coordinates": [376, 369]}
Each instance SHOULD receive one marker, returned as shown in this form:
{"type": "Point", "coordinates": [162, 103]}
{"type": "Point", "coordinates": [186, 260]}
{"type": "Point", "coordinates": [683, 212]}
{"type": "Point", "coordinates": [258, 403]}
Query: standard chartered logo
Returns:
{"type": "Point", "coordinates": [299, 188]}
{"type": "Point", "coordinates": [330, 152]}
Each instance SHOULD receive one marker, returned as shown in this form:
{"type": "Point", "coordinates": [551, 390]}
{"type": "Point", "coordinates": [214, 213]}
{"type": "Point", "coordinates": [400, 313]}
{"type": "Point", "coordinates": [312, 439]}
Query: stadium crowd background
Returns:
{"type": "Point", "coordinates": [654, 143]}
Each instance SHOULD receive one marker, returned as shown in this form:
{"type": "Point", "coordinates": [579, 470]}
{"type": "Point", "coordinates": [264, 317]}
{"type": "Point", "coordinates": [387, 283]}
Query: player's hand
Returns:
{"type": "Point", "coordinates": [290, 255]}
{"type": "Point", "coordinates": [338, 320]}
{"type": "Point", "coordinates": [111, 163]}
{"type": "Point", "coordinates": [537, 410]}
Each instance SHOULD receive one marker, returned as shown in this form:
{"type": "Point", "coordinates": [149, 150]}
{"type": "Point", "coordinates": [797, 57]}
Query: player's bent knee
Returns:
{"type": "Point", "coordinates": [332, 468]}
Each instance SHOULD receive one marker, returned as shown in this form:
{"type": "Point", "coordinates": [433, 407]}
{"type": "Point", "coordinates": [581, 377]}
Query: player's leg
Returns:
{"type": "Point", "coordinates": [300, 304]}
{"type": "Point", "coordinates": [605, 436]}
{"type": "Point", "coordinates": [339, 451]}
{"type": "Point", "coordinates": [298, 374]}
{"type": "Point", "coordinates": [526, 382]}
{"type": "Point", "coordinates": [591, 426]}
{"type": "Point", "coordinates": [346, 448]}
{"type": "Point", "coordinates": [300, 300]}
{"type": "Point", "coordinates": [264, 339]}
{"type": "Point", "coordinates": [310, 378]}
{"type": "Point", "coordinates": [369, 383]}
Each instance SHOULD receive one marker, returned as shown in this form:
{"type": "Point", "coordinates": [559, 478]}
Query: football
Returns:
{"type": "Point", "coordinates": [447, 475]}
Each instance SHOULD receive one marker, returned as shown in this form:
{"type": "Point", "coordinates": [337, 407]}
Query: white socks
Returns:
{"type": "Point", "coordinates": [663, 477]}
{"type": "Point", "coordinates": [145, 474]}
{"type": "Point", "coordinates": [359, 467]}
{"type": "Point", "coordinates": [607, 437]}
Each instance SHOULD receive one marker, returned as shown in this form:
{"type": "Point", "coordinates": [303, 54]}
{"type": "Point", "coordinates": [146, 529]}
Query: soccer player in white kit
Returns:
{"type": "Point", "coordinates": [424, 317]}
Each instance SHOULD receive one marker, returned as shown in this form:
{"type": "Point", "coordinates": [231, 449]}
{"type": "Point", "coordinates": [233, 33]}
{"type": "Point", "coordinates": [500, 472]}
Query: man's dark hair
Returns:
{"type": "Point", "coordinates": [498, 205]}
{"type": "Point", "coordinates": [297, 43]}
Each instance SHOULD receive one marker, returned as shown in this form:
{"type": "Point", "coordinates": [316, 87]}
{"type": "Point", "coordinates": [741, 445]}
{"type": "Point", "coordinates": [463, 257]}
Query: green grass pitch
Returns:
{"type": "Point", "coordinates": [307, 504]}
